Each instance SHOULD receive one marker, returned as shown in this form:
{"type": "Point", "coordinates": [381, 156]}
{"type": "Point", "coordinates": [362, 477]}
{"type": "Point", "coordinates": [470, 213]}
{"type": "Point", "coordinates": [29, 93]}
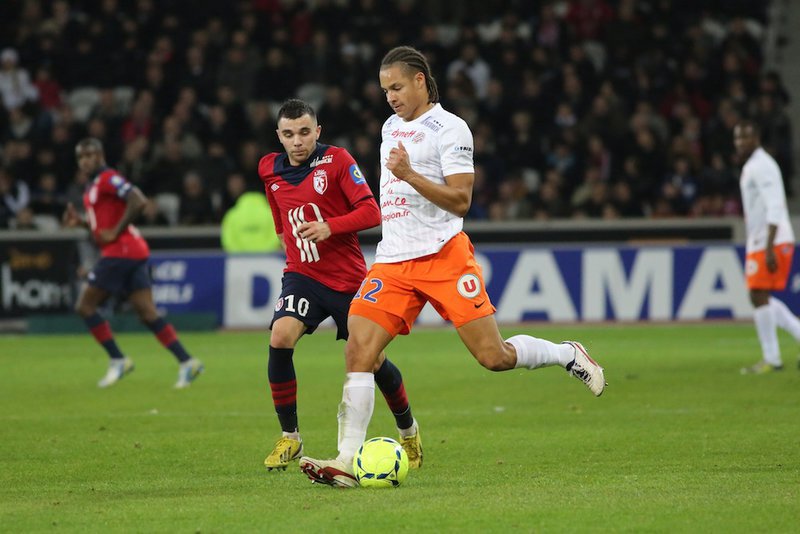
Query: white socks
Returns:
{"type": "Point", "coordinates": [784, 318]}
{"type": "Point", "coordinates": [355, 411]}
{"type": "Point", "coordinates": [533, 352]}
{"type": "Point", "coordinates": [767, 334]}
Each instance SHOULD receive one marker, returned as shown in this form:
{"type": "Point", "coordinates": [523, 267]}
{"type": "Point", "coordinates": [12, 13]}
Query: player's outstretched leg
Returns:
{"type": "Point", "coordinates": [118, 366]}
{"type": "Point", "coordinates": [785, 319]}
{"type": "Point", "coordinates": [767, 329]}
{"type": "Point", "coordinates": [390, 381]}
{"type": "Point", "coordinates": [283, 385]}
{"type": "Point", "coordinates": [190, 368]}
{"type": "Point", "coordinates": [533, 353]}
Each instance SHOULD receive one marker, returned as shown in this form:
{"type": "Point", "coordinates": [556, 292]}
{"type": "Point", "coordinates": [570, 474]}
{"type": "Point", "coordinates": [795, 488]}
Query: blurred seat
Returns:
{"type": "Point", "coordinates": [123, 96]}
{"type": "Point", "coordinates": [82, 100]}
{"type": "Point", "coordinates": [169, 204]}
{"type": "Point", "coordinates": [313, 93]}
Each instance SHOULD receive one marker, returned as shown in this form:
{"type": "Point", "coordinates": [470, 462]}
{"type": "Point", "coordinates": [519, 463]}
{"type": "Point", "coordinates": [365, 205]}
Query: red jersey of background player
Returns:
{"type": "Point", "coordinates": [105, 205]}
{"type": "Point", "coordinates": [328, 187]}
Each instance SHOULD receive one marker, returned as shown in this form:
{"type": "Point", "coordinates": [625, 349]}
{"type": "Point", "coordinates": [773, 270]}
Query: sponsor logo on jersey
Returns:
{"type": "Point", "coordinates": [357, 175]}
{"type": "Point", "coordinates": [320, 181]}
{"type": "Point", "coordinates": [462, 149]}
{"type": "Point", "coordinates": [433, 124]}
{"type": "Point", "coordinates": [327, 158]}
{"type": "Point", "coordinates": [400, 134]}
{"type": "Point", "coordinates": [469, 286]}
{"type": "Point", "coordinates": [418, 138]}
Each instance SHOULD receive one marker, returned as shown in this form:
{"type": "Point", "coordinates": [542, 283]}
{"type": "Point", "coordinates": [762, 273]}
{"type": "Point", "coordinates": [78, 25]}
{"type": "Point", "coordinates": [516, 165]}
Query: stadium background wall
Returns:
{"type": "Point", "coordinates": [656, 274]}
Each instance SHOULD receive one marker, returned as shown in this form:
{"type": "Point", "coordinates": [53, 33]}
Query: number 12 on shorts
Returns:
{"type": "Point", "coordinates": [374, 285]}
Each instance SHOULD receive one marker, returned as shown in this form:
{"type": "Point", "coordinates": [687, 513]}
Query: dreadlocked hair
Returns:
{"type": "Point", "coordinates": [413, 61]}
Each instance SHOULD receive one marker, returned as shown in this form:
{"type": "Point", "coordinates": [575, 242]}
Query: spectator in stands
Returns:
{"type": "Point", "coordinates": [14, 196]}
{"type": "Point", "coordinates": [46, 199]}
{"type": "Point", "coordinates": [195, 202]}
{"type": "Point", "coordinates": [248, 226]}
{"type": "Point", "coordinates": [476, 69]}
{"type": "Point", "coordinates": [569, 65]}
{"type": "Point", "coordinates": [16, 88]}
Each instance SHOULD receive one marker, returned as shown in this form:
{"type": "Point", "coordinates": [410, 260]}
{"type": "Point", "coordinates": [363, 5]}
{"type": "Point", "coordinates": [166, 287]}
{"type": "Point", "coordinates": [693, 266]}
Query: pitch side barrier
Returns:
{"type": "Point", "coordinates": [656, 273]}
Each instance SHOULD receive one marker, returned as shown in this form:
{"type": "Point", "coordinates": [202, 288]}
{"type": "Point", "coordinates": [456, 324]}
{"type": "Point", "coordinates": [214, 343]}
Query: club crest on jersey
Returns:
{"type": "Point", "coordinates": [320, 181]}
{"type": "Point", "coordinates": [418, 138]}
{"type": "Point", "coordinates": [469, 286]}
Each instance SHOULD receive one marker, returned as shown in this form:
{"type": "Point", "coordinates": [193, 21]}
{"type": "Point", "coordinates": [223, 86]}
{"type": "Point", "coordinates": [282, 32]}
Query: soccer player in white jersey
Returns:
{"type": "Point", "coordinates": [770, 244]}
{"type": "Point", "coordinates": [424, 256]}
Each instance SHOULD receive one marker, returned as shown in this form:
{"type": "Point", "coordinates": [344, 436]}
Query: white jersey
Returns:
{"type": "Point", "coordinates": [764, 201]}
{"type": "Point", "coordinates": [439, 144]}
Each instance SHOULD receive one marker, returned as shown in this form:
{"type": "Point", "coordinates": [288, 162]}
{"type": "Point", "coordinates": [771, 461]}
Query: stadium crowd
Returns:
{"type": "Point", "coordinates": [579, 108]}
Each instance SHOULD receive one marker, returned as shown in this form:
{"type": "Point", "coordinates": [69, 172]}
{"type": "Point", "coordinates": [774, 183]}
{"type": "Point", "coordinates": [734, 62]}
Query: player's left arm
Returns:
{"type": "Point", "coordinates": [134, 204]}
{"type": "Point", "coordinates": [455, 195]}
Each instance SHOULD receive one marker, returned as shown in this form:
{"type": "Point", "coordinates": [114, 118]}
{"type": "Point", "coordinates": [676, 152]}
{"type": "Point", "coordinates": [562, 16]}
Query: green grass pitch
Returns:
{"type": "Point", "coordinates": [679, 442]}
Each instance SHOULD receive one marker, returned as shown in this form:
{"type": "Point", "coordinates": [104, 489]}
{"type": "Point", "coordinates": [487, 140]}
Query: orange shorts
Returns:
{"type": "Point", "coordinates": [759, 277]}
{"type": "Point", "coordinates": [393, 294]}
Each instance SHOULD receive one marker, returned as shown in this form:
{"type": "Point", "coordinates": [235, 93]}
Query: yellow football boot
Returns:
{"type": "Point", "coordinates": [286, 450]}
{"type": "Point", "coordinates": [413, 447]}
{"type": "Point", "coordinates": [761, 368]}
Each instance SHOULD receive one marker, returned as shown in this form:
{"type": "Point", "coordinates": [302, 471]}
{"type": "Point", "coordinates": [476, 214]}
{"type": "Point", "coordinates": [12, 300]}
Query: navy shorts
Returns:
{"type": "Point", "coordinates": [311, 302]}
{"type": "Point", "coordinates": [120, 275]}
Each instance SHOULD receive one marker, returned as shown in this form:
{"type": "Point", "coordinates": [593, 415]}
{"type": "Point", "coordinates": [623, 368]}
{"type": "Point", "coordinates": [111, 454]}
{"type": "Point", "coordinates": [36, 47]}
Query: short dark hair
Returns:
{"type": "Point", "coordinates": [90, 142]}
{"type": "Point", "coordinates": [294, 108]}
{"type": "Point", "coordinates": [753, 125]}
{"type": "Point", "coordinates": [414, 62]}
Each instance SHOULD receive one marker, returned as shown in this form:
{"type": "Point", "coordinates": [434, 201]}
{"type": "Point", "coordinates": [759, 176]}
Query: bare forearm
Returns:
{"type": "Point", "coordinates": [456, 200]}
{"type": "Point", "coordinates": [771, 231]}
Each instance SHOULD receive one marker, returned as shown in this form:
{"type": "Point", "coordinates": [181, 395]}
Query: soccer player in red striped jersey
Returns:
{"type": "Point", "coordinates": [112, 204]}
{"type": "Point", "coordinates": [320, 200]}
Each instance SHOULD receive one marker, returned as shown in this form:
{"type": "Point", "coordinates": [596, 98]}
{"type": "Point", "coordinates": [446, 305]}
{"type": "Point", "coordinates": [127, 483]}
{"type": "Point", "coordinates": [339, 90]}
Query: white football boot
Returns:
{"type": "Point", "coordinates": [117, 368]}
{"type": "Point", "coordinates": [585, 369]}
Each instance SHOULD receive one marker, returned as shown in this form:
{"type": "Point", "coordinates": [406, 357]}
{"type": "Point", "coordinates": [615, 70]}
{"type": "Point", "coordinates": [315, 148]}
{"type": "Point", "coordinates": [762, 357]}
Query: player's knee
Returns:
{"type": "Point", "coordinates": [279, 338]}
{"type": "Point", "coordinates": [359, 357]}
{"type": "Point", "coordinates": [146, 316]}
{"type": "Point", "coordinates": [495, 360]}
{"type": "Point", "coordinates": [83, 309]}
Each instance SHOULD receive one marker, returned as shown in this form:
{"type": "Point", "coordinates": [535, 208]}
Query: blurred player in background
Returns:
{"type": "Point", "coordinates": [319, 200]}
{"type": "Point", "coordinates": [770, 244]}
{"type": "Point", "coordinates": [424, 256]}
{"type": "Point", "coordinates": [112, 204]}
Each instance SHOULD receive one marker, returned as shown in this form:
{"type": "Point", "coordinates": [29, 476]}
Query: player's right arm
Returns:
{"type": "Point", "coordinates": [276, 216]}
{"type": "Point", "coordinates": [71, 218]}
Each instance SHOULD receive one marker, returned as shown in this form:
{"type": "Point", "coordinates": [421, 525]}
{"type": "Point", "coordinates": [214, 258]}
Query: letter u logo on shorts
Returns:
{"type": "Point", "coordinates": [469, 286]}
